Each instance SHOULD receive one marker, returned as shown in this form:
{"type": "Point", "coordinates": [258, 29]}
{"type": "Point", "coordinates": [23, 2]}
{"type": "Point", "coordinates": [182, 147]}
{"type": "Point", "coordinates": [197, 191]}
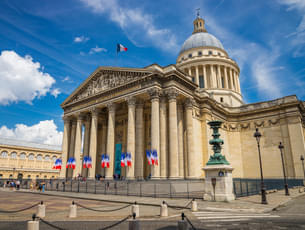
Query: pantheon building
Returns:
{"type": "Point", "coordinates": [167, 109]}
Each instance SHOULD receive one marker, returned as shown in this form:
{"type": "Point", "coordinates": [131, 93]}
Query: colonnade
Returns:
{"type": "Point", "coordinates": [169, 131]}
{"type": "Point", "coordinates": [214, 76]}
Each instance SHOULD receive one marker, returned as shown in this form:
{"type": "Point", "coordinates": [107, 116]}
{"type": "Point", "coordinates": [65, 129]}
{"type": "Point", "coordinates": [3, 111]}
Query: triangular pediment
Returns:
{"type": "Point", "coordinates": [104, 79]}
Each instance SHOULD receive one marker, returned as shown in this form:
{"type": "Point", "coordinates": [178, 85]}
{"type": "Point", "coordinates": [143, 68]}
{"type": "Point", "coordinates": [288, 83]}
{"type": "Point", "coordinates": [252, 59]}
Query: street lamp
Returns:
{"type": "Point", "coordinates": [284, 172]}
{"type": "Point", "coordinates": [302, 159]}
{"type": "Point", "coordinates": [258, 135]}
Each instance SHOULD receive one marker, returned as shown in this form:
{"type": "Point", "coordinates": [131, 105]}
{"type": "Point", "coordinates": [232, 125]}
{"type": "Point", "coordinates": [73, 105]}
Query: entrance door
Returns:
{"type": "Point", "coordinates": [117, 160]}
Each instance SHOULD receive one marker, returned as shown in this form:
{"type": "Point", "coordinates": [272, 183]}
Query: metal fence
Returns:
{"type": "Point", "coordinates": [248, 187]}
{"type": "Point", "coordinates": [165, 189]}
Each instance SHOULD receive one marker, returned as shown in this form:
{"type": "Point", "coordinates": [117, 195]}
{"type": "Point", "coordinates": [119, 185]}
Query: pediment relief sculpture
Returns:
{"type": "Point", "coordinates": [105, 80]}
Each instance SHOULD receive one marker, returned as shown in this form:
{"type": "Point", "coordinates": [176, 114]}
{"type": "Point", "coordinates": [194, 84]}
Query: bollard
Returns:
{"type": "Point", "coordinates": [33, 224]}
{"type": "Point", "coordinates": [194, 206]}
{"type": "Point", "coordinates": [135, 209]}
{"type": "Point", "coordinates": [182, 224]}
{"type": "Point", "coordinates": [163, 209]}
{"type": "Point", "coordinates": [73, 210]}
{"type": "Point", "coordinates": [134, 224]}
{"type": "Point", "coordinates": [41, 210]}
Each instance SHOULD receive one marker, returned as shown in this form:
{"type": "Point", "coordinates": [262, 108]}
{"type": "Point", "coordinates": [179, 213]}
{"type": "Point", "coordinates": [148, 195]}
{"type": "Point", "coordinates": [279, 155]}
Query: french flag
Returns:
{"type": "Point", "coordinates": [155, 156]}
{"type": "Point", "coordinates": [73, 162]}
{"type": "Point", "coordinates": [89, 162]}
{"type": "Point", "coordinates": [107, 160]}
{"type": "Point", "coordinates": [57, 164]}
{"type": "Point", "coordinates": [120, 48]}
{"type": "Point", "coordinates": [123, 160]}
{"type": "Point", "coordinates": [85, 162]}
{"type": "Point", "coordinates": [103, 161]}
{"type": "Point", "coordinates": [148, 157]}
{"type": "Point", "coordinates": [128, 156]}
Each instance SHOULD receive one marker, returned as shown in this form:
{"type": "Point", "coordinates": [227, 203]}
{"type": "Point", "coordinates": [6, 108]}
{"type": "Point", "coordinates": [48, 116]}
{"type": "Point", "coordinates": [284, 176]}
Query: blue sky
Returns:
{"type": "Point", "coordinates": [47, 48]}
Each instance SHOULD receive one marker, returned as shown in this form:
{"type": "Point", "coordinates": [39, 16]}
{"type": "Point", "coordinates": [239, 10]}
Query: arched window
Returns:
{"type": "Point", "coordinates": [4, 154]}
{"type": "Point", "coordinates": [47, 158]}
{"type": "Point", "coordinates": [39, 157]}
{"type": "Point", "coordinates": [13, 155]}
{"type": "Point", "coordinates": [29, 176]}
{"type": "Point", "coordinates": [31, 157]}
{"type": "Point", "coordinates": [22, 156]}
{"type": "Point", "coordinates": [54, 158]}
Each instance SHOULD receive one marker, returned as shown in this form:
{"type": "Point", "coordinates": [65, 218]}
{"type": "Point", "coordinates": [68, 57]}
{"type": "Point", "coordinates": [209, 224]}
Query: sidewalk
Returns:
{"type": "Point", "coordinates": [242, 204]}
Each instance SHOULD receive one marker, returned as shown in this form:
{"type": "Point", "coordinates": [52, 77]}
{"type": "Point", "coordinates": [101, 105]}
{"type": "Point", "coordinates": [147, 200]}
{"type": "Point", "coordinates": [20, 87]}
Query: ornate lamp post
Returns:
{"type": "Point", "coordinates": [257, 136]}
{"type": "Point", "coordinates": [302, 159]}
{"type": "Point", "coordinates": [284, 171]}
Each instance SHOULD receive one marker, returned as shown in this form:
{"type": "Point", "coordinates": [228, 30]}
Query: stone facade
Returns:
{"type": "Point", "coordinates": [167, 109]}
{"type": "Point", "coordinates": [28, 160]}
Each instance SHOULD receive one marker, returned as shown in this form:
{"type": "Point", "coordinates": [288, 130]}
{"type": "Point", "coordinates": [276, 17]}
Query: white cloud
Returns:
{"type": "Point", "coordinates": [138, 26]}
{"type": "Point", "coordinates": [81, 39]}
{"type": "Point", "coordinates": [97, 49]}
{"type": "Point", "coordinates": [55, 92]}
{"type": "Point", "coordinates": [44, 132]}
{"type": "Point", "coordinates": [22, 79]}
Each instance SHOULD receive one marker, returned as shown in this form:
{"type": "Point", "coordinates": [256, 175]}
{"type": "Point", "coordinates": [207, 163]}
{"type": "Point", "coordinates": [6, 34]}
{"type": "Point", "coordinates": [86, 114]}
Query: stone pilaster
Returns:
{"type": "Point", "coordinates": [86, 143]}
{"type": "Point", "coordinates": [110, 139]}
{"type": "Point", "coordinates": [213, 77]}
{"type": "Point", "coordinates": [93, 142]}
{"type": "Point", "coordinates": [104, 143]}
{"type": "Point", "coordinates": [180, 140]}
{"type": "Point", "coordinates": [219, 76]}
{"type": "Point", "coordinates": [173, 134]}
{"type": "Point", "coordinates": [231, 79]}
{"type": "Point", "coordinates": [189, 133]}
{"type": "Point", "coordinates": [226, 77]}
{"type": "Point", "coordinates": [155, 128]}
{"type": "Point", "coordinates": [65, 147]}
{"type": "Point", "coordinates": [205, 77]}
{"type": "Point", "coordinates": [139, 152]}
{"type": "Point", "coordinates": [163, 138]}
{"type": "Point", "coordinates": [78, 146]}
{"type": "Point", "coordinates": [131, 135]}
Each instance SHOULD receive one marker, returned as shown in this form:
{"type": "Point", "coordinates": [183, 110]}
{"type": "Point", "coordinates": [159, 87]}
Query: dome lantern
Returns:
{"type": "Point", "coordinates": [199, 24]}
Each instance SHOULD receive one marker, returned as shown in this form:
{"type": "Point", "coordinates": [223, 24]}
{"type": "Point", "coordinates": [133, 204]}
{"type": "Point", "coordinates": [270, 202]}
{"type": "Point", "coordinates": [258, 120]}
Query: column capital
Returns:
{"type": "Point", "coordinates": [66, 119]}
{"type": "Point", "coordinates": [94, 111]}
{"type": "Point", "coordinates": [154, 93]}
{"type": "Point", "coordinates": [131, 101]}
{"type": "Point", "coordinates": [111, 107]}
{"type": "Point", "coordinates": [189, 102]}
{"type": "Point", "coordinates": [172, 94]}
{"type": "Point", "coordinates": [80, 116]}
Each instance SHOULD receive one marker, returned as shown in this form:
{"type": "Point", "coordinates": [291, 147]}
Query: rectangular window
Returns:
{"type": "Point", "coordinates": [201, 82]}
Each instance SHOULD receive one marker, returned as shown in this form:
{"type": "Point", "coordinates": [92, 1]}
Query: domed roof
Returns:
{"type": "Point", "coordinates": [201, 39]}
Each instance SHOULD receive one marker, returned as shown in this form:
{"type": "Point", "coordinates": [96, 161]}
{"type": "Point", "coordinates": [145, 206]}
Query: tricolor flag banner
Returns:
{"type": "Point", "coordinates": [71, 163]}
{"type": "Point", "coordinates": [107, 160]}
{"type": "Point", "coordinates": [123, 160]}
{"type": "Point", "coordinates": [120, 48]}
{"type": "Point", "coordinates": [128, 156]}
{"type": "Point", "coordinates": [148, 157]}
{"type": "Point", "coordinates": [89, 162]}
{"type": "Point", "coordinates": [57, 164]}
{"type": "Point", "coordinates": [103, 161]}
{"type": "Point", "coordinates": [85, 162]}
{"type": "Point", "coordinates": [155, 156]}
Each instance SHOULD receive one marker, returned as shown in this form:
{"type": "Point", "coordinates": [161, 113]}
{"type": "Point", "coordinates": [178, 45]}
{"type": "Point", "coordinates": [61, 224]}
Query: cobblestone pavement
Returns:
{"type": "Point", "coordinates": [243, 213]}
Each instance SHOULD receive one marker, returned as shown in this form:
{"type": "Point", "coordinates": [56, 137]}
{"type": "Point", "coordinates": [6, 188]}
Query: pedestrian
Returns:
{"type": "Point", "coordinates": [107, 185]}
{"type": "Point", "coordinates": [17, 184]}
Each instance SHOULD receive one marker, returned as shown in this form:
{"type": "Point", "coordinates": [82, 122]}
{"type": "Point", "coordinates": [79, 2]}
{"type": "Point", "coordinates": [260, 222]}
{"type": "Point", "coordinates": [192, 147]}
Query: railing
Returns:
{"type": "Point", "coordinates": [162, 188]}
{"type": "Point", "coordinates": [248, 187]}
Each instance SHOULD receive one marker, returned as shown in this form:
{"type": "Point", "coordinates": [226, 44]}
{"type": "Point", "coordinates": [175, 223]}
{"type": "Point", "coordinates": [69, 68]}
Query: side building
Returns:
{"type": "Point", "coordinates": [20, 159]}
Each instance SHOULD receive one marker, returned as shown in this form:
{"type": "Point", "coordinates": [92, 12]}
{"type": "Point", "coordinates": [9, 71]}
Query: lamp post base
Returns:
{"type": "Point", "coordinates": [286, 190]}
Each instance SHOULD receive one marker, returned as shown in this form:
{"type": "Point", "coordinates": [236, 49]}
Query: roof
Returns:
{"type": "Point", "coordinates": [201, 39]}
{"type": "Point", "coordinates": [15, 142]}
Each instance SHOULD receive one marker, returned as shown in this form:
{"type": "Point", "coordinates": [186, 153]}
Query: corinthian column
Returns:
{"type": "Point", "coordinates": [78, 146]}
{"type": "Point", "coordinates": [110, 139]}
{"type": "Point", "coordinates": [139, 153]}
{"type": "Point", "coordinates": [189, 133]}
{"type": "Point", "coordinates": [163, 138]}
{"type": "Point", "coordinates": [155, 129]}
{"type": "Point", "coordinates": [65, 147]}
{"type": "Point", "coordinates": [197, 76]}
{"type": "Point", "coordinates": [205, 77]}
{"type": "Point", "coordinates": [180, 140]}
{"type": "Point", "coordinates": [86, 143]}
{"type": "Point", "coordinates": [93, 142]}
{"type": "Point", "coordinates": [72, 146]}
{"type": "Point", "coordinates": [131, 135]}
{"type": "Point", "coordinates": [173, 134]}
{"type": "Point", "coordinates": [219, 77]}
{"type": "Point", "coordinates": [226, 77]}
